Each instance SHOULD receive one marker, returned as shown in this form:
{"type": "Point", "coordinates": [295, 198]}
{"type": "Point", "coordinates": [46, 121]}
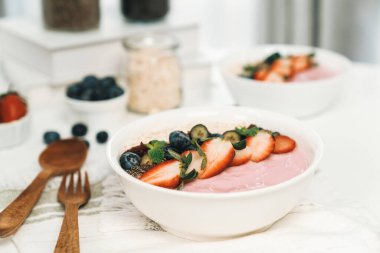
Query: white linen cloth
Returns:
{"type": "Point", "coordinates": [325, 222]}
{"type": "Point", "coordinates": [116, 226]}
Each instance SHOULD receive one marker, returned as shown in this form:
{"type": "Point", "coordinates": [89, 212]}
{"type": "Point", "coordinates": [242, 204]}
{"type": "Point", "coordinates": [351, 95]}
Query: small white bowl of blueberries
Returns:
{"type": "Point", "coordinates": [100, 100]}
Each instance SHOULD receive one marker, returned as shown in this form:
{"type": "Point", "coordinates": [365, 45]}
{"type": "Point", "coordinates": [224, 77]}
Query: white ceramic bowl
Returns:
{"type": "Point", "coordinates": [15, 132]}
{"type": "Point", "coordinates": [212, 216]}
{"type": "Point", "coordinates": [103, 114]}
{"type": "Point", "coordinates": [297, 98]}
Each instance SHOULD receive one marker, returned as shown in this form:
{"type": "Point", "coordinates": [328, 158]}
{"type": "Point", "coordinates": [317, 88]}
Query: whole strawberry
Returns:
{"type": "Point", "coordinates": [12, 107]}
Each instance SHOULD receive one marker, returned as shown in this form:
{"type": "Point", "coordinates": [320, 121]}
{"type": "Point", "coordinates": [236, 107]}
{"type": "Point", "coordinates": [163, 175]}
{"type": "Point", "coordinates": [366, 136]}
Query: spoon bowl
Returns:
{"type": "Point", "coordinates": [59, 158]}
{"type": "Point", "coordinates": [63, 157]}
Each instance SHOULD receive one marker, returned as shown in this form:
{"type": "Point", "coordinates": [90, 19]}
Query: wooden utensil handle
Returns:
{"type": "Point", "coordinates": [12, 217]}
{"type": "Point", "coordinates": [68, 240]}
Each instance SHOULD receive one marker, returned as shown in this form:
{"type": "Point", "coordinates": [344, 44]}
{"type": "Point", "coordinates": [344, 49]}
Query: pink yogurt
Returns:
{"type": "Point", "coordinates": [274, 170]}
{"type": "Point", "coordinates": [319, 72]}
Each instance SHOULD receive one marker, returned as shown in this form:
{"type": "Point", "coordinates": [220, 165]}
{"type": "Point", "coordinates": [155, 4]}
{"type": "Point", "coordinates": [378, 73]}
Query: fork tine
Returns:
{"type": "Point", "coordinates": [79, 184]}
{"type": "Point", "coordinates": [87, 189]}
{"type": "Point", "coordinates": [70, 190]}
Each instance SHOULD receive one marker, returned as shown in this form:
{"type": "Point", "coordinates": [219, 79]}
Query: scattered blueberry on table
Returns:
{"type": "Point", "coordinates": [87, 143]}
{"type": "Point", "coordinates": [128, 160]}
{"type": "Point", "coordinates": [79, 130]}
{"type": "Point", "coordinates": [102, 137]}
{"type": "Point", "coordinates": [50, 137]}
{"type": "Point", "coordinates": [92, 88]}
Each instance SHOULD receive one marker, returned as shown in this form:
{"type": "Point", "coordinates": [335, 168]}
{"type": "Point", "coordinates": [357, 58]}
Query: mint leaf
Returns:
{"type": "Point", "coordinates": [157, 155]}
{"type": "Point", "coordinates": [157, 144]}
{"type": "Point", "coordinates": [243, 131]}
{"type": "Point", "coordinates": [156, 151]}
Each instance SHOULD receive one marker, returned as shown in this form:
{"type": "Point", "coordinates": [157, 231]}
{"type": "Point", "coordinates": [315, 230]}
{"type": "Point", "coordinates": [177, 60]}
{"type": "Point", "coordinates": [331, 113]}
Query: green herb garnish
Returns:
{"type": "Point", "coordinates": [240, 145]}
{"type": "Point", "coordinates": [185, 161]}
{"type": "Point", "coordinates": [243, 131]}
{"type": "Point", "coordinates": [202, 154]}
{"type": "Point", "coordinates": [271, 58]}
{"type": "Point", "coordinates": [156, 151]}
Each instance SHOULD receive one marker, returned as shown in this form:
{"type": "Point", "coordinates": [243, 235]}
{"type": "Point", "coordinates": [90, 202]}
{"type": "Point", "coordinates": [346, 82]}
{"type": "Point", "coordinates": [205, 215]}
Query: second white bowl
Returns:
{"type": "Point", "coordinates": [296, 98]}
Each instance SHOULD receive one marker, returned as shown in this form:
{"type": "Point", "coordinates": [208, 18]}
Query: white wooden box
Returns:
{"type": "Point", "coordinates": [63, 57]}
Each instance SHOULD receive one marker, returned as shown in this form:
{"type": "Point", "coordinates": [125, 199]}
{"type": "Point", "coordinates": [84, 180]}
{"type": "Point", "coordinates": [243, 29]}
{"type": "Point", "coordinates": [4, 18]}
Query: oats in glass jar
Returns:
{"type": "Point", "coordinates": [153, 73]}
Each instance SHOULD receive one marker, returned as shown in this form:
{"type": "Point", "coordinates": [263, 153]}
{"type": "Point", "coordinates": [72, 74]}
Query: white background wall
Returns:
{"type": "Point", "coordinates": [353, 30]}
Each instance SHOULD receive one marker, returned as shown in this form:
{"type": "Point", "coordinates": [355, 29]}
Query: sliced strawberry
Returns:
{"type": "Point", "coordinates": [282, 67]}
{"type": "Point", "coordinates": [219, 155]}
{"type": "Point", "coordinates": [300, 63]}
{"type": "Point", "coordinates": [283, 144]}
{"type": "Point", "coordinates": [196, 162]}
{"type": "Point", "coordinates": [262, 145]}
{"type": "Point", "coordinates": [241, 156]}
{"type": "Point", "coordinates": [165, 174]}
{"type": "Point", "coordinates": [274, 77]}
{"type": "Point", "coordinates": [261, 74]}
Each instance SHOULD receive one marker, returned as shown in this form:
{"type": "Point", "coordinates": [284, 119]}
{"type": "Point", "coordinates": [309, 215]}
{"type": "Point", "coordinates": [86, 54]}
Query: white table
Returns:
{"type": "Point", "coordinates": [349, 130]}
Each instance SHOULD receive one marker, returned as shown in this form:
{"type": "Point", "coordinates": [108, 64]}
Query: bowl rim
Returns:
{"type": "Point", "coordinates": [24, 118]}
{"type": "Point", "coordinates": [262, 191]}
{"type": "Point", "coordinates": [78, 102]}
{"type": "Point", "coordinates": [224, 63]}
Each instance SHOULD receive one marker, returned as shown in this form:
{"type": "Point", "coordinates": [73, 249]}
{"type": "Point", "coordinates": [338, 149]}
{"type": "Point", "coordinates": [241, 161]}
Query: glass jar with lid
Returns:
{"type": "Point", "coordinates": [153, 73]}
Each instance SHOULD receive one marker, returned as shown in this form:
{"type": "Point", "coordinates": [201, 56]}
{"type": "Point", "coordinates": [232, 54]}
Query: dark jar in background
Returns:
{"type": "Point", "coordinates": [144, 10]}
{"type": "Point", "coordinates": [71, 15]}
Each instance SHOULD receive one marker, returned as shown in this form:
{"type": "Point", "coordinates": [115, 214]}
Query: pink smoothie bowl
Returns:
{"type": "Point", "coordinates": [306, 95]}
{"type": "Point", "coordinates": [215, 216]}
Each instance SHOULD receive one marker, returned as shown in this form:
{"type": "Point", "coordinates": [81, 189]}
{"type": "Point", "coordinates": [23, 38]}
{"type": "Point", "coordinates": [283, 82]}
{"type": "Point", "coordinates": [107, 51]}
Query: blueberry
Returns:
{"type": "Point", "coordinates": [114, 91]}
{"type": "Point", "coordinates": [87, 95]}
{"type": "Point", "coordinates": [74, 91]}
{"type": "Point", "coordinates": [107, 82]}
{"type": "Point", "coordinates": [87, 143]}
{"type": "Point", "coordinates": [89, 81]}
{"type": "Point", "coordinates": [99, 94]}
{"type": "Point", "coordinates": [128, 160]}
{"type": "Point", "coordinates": [180, 141]}
{"type": "Point", "coordinates": [79, 129]}
{"type": "Point", "coordinates": [51, 136]}
{"type": "Point", "coordinates": [102, 137]}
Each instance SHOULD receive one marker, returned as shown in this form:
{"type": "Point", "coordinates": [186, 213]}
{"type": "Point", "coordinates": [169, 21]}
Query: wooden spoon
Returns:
{"type": "Point", "coordinates": [60, 157]}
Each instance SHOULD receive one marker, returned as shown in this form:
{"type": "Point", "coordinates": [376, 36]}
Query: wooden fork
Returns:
{"type": "Point", "coordinates": [72, 198]}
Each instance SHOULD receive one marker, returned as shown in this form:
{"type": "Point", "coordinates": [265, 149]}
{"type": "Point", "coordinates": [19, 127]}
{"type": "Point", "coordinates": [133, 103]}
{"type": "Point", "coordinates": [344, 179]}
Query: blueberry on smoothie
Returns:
{"type": "Point", "coordinates": [180, 141]}
{"type": "Point", "coordinates": [128, 160]}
